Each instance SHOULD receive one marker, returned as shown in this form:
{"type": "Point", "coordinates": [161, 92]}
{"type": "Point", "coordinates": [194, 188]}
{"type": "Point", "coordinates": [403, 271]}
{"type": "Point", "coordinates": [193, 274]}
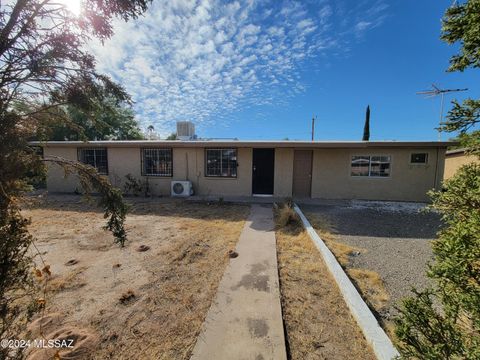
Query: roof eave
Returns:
{"type": "Point", "coordinates": [238, 143]}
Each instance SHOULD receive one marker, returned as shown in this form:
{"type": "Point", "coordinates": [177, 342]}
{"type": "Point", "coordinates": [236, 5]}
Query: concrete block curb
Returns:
{"type": "Point", "coordinates": [381, 344]}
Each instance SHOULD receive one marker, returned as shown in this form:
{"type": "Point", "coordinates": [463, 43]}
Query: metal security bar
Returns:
{"type": "Point", "coordinates": [96, 157]}
{"type": "Point", "coordinates": [221, 162]}
{"type": "Point", "coordinates": [157, 162]}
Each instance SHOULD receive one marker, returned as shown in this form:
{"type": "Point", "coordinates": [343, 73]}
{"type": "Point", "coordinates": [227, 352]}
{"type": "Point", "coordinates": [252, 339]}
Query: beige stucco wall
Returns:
{"type": "Point", "coordinates": [454, 161]}
{"type": "Point", "coordinates": [283, 175]}
{"type": "Point", "coordinates": [239, 186]}
{"type": "Point", "coordinates": [331, 175]}
{"type": "Point", "coordinates": [56, 180]}
{"type": "Point", "coordinates": [188, 164]}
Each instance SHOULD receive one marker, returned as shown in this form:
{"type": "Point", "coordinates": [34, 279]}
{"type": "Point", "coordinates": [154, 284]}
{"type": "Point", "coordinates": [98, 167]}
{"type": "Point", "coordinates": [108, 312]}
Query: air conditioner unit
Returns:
{"type": "Point", "coordinates": [182, 188]}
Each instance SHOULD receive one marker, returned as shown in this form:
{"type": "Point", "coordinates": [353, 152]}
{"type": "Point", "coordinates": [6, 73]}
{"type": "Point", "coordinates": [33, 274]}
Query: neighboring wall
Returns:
{"type": "Point", "coordinates": [454, 161]}
{"type": "Point", "coordinates": [331, 175]}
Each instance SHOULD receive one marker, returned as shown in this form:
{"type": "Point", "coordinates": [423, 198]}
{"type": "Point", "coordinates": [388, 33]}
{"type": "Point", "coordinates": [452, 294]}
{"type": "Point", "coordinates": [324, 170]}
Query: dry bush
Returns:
{"type": "Point", "coordinates": [71, 281]}
{"type": "Point", "coordinates": [286, 218]}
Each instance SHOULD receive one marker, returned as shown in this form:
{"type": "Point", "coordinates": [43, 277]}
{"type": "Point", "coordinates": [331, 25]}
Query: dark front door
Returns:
{"type": "Point", "coordinates": [302, 173]}
{"type": "Point", "coordinates": [263, 169]}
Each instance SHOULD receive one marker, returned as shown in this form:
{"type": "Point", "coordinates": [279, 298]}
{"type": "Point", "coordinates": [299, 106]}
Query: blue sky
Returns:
{"type": "Point", "coordinates": [260, 69]}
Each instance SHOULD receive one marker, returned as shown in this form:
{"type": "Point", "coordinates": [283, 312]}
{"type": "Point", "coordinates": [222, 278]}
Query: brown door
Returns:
{"type": "Point", "coordinates": [302, 173]}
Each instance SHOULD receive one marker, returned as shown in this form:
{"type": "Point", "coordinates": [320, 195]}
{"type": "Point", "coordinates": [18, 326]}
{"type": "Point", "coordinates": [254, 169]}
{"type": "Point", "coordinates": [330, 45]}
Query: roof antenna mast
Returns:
{"type": "Point", "coordinates": [435, 91]}
{"type": "Point", "coordinates": [313, 127]}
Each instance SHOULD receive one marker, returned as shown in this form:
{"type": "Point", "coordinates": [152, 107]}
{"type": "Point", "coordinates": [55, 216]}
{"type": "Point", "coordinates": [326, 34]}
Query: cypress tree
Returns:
{"type": "Point", "coordinates": [366, 127]}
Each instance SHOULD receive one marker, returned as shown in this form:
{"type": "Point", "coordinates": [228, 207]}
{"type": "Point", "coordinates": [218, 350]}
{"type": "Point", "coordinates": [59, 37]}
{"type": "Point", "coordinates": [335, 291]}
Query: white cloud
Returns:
{"type": "Point", "coordinates": [362, 25]}
{"type": "Point", "coordinates": [201, 60]}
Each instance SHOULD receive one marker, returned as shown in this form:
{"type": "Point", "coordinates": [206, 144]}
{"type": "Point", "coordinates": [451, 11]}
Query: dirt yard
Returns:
{"type": "Point", "coordinates": [147, 300]}
{"type": "Point", "coordinates": [317, 321]}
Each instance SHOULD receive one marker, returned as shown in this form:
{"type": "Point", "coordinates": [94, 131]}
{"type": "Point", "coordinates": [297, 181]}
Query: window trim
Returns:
{"type": "Point", "coordinates": [419, 164]}
{"type": "Point", "coordinates": [370, 166]}
{"type": "Point", "coordinates": [93, 148]}
{"type": "Point", "coordinates": [221, 176]}
{"type": "Point", "coordinates": [142, 162]}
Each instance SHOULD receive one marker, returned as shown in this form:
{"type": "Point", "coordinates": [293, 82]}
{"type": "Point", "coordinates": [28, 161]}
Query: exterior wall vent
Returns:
{"type": "Point", "coordinates": [185, 130]}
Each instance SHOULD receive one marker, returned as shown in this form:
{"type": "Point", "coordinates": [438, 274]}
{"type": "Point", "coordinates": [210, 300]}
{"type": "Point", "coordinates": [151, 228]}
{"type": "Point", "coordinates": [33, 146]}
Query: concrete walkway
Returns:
{"type": "Point", "coordinates": [245, 319]}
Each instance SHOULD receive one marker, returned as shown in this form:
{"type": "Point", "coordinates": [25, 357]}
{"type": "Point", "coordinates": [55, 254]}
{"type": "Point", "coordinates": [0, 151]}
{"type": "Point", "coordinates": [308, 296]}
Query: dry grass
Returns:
{"type": "Point", "coordinates": [371, 286]}
{"type": "Point", "coordinates": [317, 321]}
{"type": "Point", "coordinates": [369, 283]}
{"type": "Point", "coordinates": [173, 283]}
{"type": "Point", "coordinates": [70, 281]}
{"type": "Point", "coordinates": [326, 231]}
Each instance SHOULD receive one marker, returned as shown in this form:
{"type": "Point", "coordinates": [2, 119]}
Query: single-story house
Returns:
{"type": "Point", "coordinates": [454, 159]}
{"type": "Point", "coordinates": [373, 170]}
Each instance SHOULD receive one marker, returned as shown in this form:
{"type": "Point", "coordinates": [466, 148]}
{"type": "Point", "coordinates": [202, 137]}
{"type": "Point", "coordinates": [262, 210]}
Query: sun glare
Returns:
{"type": "Point", "coordinates": [74, 6]}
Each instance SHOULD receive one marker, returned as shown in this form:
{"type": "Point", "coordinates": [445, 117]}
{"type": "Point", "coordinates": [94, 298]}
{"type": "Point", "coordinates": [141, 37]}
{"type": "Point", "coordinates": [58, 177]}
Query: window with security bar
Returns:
{"type": "Point", "coordinates": [96, 157]}
{"type": "Point", "coordinates": [221, 162]}
{"type": "Point", "coordinates": [157, 162]}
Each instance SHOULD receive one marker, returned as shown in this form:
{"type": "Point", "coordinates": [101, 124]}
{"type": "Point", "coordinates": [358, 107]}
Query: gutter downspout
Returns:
{"type": "Point", "coordinates": [186, 162]}
{"type": "Point", "coordinates": [436, 172]}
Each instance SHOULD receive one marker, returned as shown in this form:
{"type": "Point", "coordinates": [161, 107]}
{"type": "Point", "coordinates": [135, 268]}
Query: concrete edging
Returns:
{"type": "Point", "coordinates": [381, 344]}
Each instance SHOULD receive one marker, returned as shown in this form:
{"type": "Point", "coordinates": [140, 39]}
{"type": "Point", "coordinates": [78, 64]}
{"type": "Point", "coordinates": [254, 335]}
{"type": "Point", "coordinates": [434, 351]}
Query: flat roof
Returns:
{"type": "Point", "coordinates": [456, 151]}
{"type": "Point", "coordinates": [249, 143]}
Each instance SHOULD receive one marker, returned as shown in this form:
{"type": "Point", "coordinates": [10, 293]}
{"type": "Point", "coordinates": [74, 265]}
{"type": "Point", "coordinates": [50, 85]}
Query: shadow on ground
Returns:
{"type": "Point", "coordinates": [370, 222]}
{"type": "Point", "coordinates": [157, 206]}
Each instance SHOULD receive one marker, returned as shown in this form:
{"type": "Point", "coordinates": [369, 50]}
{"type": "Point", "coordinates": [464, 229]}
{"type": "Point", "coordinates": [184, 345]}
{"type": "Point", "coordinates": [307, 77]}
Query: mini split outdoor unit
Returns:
{"type": "Point", "coordinates": [182, 188]}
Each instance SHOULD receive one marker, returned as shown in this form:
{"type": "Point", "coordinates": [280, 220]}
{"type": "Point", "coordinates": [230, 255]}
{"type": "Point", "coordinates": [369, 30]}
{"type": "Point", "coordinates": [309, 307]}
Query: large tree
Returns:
{"type": "Point", "coordinates": [44, 69]}
{"type": "Point", "coordinates": [110, 122]}
{"type": "Point", "coordinates": [443, 322]}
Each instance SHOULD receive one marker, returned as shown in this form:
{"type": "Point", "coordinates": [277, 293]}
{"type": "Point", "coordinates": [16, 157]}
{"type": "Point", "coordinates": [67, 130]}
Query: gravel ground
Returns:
{"type": "Point", "coordinates": [396, 237]}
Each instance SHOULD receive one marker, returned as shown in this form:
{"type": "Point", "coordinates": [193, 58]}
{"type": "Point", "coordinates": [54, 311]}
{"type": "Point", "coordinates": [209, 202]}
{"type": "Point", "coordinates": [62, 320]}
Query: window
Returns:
{"type": "Point", "coordinates": [221, 162]}
{"type": "Point", "coordinates": [373, 166]}
{"type": "Point", "coordinates": [360, 165]}
{"type": "Point", "coordinates": [419, 158]}
{"type": "Point", "coordinates": [157, 162]}
{"type": "Point", "coordinates": [96, 158]}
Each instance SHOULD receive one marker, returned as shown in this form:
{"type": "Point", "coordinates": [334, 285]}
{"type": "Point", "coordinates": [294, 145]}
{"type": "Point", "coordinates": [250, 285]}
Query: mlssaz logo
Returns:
{"type": "Point", "coordinates": [54, 343]}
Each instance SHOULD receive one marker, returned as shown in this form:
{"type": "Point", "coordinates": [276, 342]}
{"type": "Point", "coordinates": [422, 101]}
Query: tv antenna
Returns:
{"type": "Point", "coordinates": [436, 91]}
{"type": "Point", "coordinates": [314, 117]}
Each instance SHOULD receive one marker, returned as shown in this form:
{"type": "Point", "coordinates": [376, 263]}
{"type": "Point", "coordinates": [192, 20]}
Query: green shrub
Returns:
{"type": "Point", "coordinates": [444, 322]}
{"type": "Point", "coordinates": [132, 186]}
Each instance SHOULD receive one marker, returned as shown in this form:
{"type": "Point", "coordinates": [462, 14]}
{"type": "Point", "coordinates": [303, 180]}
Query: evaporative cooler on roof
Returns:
{"type": "Point", "coordinates": [185, 130]}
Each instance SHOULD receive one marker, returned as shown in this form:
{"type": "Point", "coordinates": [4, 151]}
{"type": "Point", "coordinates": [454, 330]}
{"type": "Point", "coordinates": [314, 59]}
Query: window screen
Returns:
{"type": "Point", "coordinates": [95, 157]}
{"type": "Point", "coordinates": [221, 162]}
{"type": "Point", "coordinates": [373, 166]}
{"type": "Point", "coordinates": [157, 162]}
{"type": "Point", "coordinates": [419, 158]}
